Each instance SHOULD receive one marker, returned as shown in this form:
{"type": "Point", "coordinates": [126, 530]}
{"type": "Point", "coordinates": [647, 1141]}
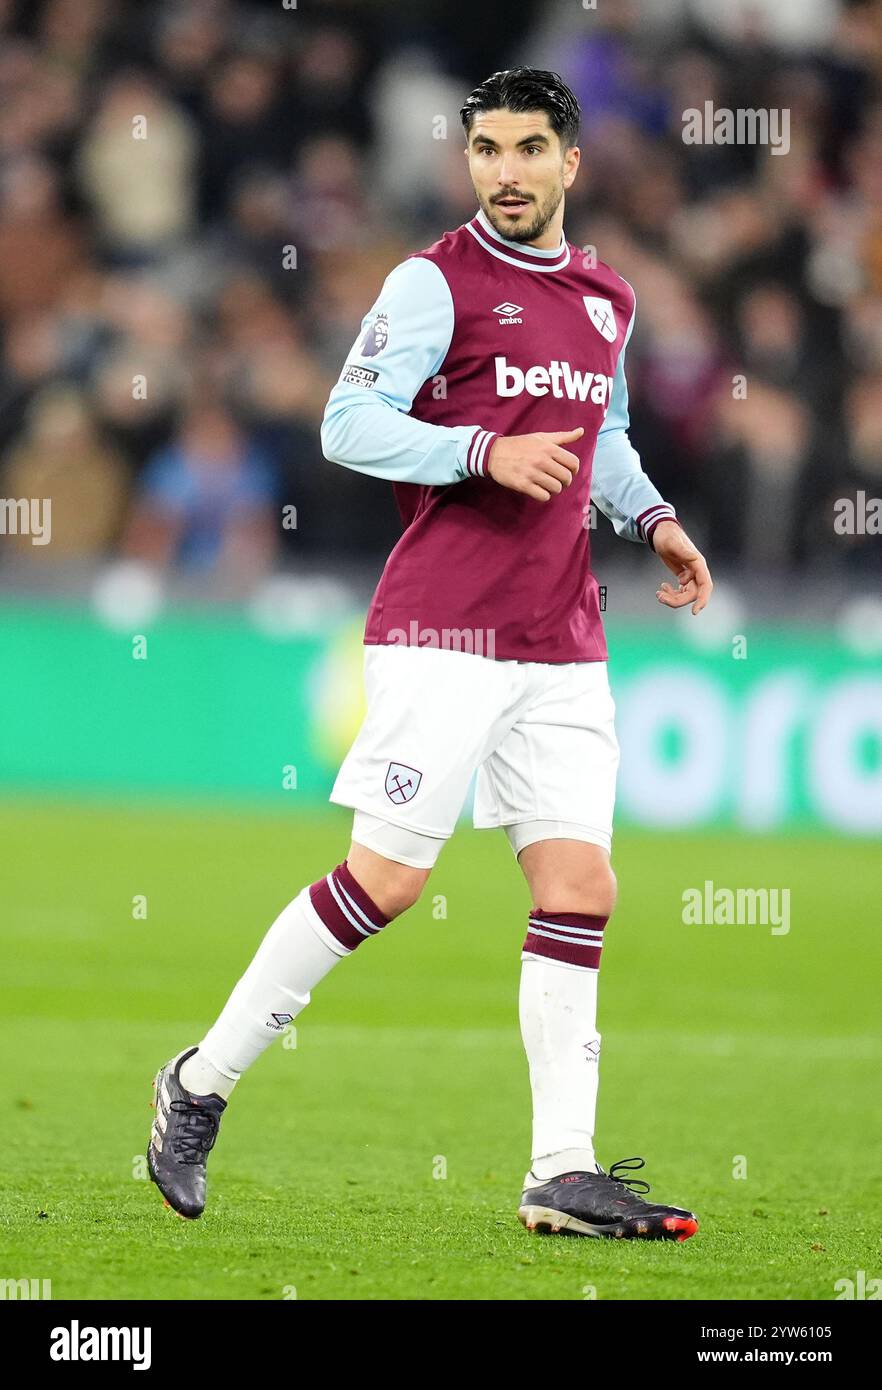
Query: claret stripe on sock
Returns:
{"type": "Point", "coordinates": [347, 911]}
{"type": "Point", "coordinates": [576, 938]}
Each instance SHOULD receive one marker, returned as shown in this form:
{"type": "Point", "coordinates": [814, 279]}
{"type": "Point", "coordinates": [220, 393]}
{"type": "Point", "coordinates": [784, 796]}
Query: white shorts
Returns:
{"type": "Point", "coordinates": [540, 735]}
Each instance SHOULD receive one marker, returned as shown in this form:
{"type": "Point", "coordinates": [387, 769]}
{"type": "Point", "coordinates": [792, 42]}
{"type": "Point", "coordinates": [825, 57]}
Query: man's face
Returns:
{"type": "Point", "coordinates": [519, 171]}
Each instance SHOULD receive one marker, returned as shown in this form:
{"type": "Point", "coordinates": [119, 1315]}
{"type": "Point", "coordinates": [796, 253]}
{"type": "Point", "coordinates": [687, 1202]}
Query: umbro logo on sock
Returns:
{"type": "Point", "coordinates": [280, 1020]}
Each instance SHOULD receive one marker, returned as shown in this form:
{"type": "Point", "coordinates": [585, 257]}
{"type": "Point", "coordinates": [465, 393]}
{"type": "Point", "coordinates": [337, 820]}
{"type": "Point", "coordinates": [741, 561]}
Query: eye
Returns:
{"type": "Point", "coordinates": [537, 148]}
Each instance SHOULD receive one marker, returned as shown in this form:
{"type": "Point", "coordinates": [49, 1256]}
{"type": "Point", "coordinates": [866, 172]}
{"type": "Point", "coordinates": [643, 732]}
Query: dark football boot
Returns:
{"type": "Point", "coordinates": [603, 1204]}
{"type": "Point", "coordinates": [184, 1129]}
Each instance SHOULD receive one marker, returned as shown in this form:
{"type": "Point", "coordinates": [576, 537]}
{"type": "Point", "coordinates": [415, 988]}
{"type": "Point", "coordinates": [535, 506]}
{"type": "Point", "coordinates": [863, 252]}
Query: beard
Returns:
{"type": "Point", "coordinates": [536, 222]}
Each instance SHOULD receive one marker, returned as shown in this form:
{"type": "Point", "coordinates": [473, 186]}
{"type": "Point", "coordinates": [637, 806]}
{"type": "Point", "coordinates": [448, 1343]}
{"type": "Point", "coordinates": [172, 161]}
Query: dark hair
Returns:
{"type": "Point", "coordinates": [527, 89]}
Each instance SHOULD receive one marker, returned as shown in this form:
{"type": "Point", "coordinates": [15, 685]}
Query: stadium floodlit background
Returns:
{"type": "Point", "coordinates": [198, 203]}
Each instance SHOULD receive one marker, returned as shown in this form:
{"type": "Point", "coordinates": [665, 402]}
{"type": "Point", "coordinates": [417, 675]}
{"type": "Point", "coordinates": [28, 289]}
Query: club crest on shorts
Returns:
{"type": "Point", "coordinates": [600, 312]}
{"type": "Point", "coordinates": [402, 783]}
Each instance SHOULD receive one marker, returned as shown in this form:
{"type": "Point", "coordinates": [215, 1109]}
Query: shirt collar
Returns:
{"type": "Point", "coordinates": [513, 252]}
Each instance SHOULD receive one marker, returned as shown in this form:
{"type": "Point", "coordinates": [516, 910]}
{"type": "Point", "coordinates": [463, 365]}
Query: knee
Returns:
{"type": "Point", "coordinates": [593, 892]}
{"type": "Point", "coordinates": [611, 889]}
{"type": "Point", "coordinates": [393, 887]}
{"type": "Point", "coordinates": [401, 889]}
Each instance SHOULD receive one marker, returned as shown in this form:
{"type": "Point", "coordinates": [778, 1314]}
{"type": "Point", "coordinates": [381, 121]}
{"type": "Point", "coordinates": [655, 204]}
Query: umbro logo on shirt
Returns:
{"type": "Point", "coordinates": [508, 311]}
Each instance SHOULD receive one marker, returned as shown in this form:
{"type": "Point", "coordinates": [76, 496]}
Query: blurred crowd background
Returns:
{"type": "Point", "coordinates": [223, 264]}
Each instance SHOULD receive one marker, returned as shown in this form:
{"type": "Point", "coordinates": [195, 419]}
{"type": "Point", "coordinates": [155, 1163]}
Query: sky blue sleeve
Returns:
{"type": "Point", "coordinates": [619, 486]}
{"type": "Point", "coordinates": [402, 343]}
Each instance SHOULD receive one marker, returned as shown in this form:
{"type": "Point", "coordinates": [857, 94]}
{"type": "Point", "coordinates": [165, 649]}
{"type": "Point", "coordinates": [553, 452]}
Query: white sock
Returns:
{"type": "Point", "coordinates": [200, 1077]}
{"type": "Point", "coordinates": [294, 955]}
{"type": "Point", "coordinates": [558, 1013]}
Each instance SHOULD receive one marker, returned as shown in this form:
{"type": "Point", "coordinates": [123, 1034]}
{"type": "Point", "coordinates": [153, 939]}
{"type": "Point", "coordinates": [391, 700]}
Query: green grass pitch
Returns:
{"type": "Point", "coordinates": [718, 1042]}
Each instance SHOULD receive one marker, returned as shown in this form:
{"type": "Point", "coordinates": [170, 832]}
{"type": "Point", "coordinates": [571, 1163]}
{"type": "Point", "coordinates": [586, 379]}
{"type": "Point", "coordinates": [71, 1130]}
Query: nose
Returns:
{"type": "Point", "coordinates": [507, 177]}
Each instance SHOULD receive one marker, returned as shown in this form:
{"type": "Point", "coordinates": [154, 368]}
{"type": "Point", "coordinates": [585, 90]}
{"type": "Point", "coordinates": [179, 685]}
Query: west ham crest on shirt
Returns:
{"type": "Point", "coordinates": [402, 782]}
{"type": "Point", "coordinates": [376, 337]}
{"type": "Point", "coordinates": [600, 312]}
